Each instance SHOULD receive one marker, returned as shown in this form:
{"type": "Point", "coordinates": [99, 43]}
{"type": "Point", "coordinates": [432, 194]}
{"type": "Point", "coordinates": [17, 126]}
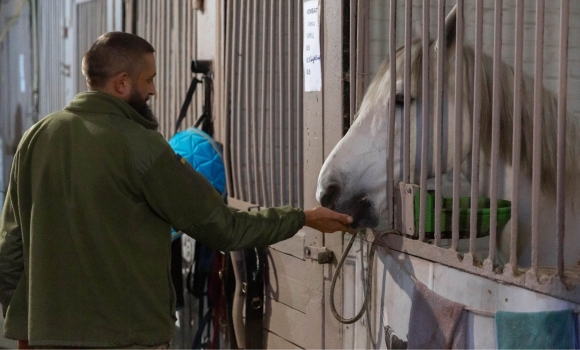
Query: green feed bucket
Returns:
{"type": "Point", "coordinates": [504, 212]}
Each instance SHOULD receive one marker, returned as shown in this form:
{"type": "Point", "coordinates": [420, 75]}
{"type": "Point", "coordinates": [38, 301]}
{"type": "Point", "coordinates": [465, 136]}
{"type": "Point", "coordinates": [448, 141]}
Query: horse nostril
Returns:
{"type": "Point", "coordinates": [330, 196]}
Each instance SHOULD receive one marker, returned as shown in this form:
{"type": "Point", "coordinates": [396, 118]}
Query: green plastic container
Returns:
{"type": "Point", "coordinates": [504, 212]}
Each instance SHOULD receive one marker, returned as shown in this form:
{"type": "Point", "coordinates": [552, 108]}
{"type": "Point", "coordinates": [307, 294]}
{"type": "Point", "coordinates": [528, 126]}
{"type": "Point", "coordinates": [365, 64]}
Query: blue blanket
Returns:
{"type": "Point", "coordinates": [535, 330]}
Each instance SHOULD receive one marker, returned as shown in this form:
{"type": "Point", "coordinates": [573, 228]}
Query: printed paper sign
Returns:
{"type": "Point", "coordinates": [311, 53]}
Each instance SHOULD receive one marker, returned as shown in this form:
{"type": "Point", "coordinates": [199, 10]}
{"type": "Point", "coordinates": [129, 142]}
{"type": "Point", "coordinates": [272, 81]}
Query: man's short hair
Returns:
{"type": "Point", "coordinates": [113, 53]}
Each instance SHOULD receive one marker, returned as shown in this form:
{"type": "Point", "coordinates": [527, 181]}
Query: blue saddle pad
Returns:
{"type": "Point", "coordinates": [204, 155]}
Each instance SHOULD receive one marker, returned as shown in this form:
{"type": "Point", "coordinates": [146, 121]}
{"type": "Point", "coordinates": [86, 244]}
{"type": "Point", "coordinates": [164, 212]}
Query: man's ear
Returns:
{"type": "Point", "coordinates": [122, 84]}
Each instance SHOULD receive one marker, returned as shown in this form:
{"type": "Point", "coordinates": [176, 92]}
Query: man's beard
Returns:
{"type": "Point", "coordinates": [140, 105]}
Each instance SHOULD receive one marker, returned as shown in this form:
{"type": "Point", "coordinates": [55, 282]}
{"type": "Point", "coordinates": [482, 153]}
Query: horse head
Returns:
{"type": "Point", "coordinates": [353, 179]}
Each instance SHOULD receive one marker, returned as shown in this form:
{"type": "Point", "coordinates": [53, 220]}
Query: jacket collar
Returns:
{"type": "Point", "coordinates": [104, 103]}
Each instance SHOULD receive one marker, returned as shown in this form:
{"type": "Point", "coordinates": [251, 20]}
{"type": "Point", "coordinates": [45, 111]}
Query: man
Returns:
{"type": "Point", "coordinates": [94, 190]}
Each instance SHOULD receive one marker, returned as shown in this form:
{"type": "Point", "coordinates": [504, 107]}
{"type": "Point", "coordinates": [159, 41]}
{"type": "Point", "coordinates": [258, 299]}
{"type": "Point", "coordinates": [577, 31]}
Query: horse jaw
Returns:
{"type": "Point", "coordinates": [352, 179]}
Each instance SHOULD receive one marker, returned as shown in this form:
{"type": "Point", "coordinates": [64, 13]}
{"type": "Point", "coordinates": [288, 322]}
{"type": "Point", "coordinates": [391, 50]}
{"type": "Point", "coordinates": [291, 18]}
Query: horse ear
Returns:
{"type": "Point", "coordinates": [451, 26]}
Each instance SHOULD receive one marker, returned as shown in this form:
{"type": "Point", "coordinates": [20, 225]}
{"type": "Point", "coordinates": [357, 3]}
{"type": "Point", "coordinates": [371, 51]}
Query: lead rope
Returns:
{"type": "Point", "coordinates": [370, 263]}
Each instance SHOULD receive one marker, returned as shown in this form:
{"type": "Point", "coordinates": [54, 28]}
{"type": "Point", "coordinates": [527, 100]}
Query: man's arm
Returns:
{"type": "Point", "coordinates": [183, 197]}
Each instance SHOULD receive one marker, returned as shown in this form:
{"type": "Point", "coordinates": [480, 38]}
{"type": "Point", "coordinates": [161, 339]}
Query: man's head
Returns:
{"type": "Point", "coordinates": [122, 65]}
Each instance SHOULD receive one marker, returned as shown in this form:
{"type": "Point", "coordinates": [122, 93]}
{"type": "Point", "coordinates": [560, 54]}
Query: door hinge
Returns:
{"type": "Point", "coordinates": [320, 254]}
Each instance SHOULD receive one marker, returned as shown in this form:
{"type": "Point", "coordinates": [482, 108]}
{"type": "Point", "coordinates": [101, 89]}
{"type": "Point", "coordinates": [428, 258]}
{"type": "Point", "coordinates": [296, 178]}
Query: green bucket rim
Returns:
{"type": "Point", "coordinates": [483, 213]}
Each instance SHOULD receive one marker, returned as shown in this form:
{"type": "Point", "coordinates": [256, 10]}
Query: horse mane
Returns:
{"type": "Point", "coordinates": [506, 100]}
{"type": "Point", "coordinates": [378, 90]}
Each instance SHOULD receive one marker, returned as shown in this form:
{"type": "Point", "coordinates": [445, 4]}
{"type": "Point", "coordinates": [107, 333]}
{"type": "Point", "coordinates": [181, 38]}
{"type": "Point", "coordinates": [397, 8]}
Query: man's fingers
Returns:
{"type": "Point", "coordinates": [344, 218]}
{"type": "Point", "coordinates": [328, 220]}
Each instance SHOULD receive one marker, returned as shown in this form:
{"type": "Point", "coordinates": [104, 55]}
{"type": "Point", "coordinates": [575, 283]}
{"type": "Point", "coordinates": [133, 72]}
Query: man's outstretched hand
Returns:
{"type": "Point", "coordinates": [326, 220]}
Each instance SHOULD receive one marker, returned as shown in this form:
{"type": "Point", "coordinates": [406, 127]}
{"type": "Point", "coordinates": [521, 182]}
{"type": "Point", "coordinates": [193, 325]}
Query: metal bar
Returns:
{"type": "Point", "coordinates": [407, 93]}
{"type": "Point", "coordinates": [391, 126]}
{"type": "Point", "coordinates": [352, 57]}
{"type": "Point", "coordinates": [438, 116]}
{"type": "Point", "coordinates": [458, 125]}
{"type": "Point", "coordinates": [290, 151]}
{"type": "Point", "coordinates": [262, 123]}
{"type": "Point", "coordinates": [183, 53]}
{"type": "Point", "coordinates": [253, 115]}
{"type": "Point", "coordinates": [281, 107]}
{"type": "Point", "coordinates": [272, 103]}
{"type": "Point", "coordinates": [155, 8]}
{"type": "Point", "coordinates": [147, 25]}
{"type": "Point", "coordinates": [425, 113]}
{"type": "Point", "coordinates": [517, 134]}
{"type": "Point", "coordinates": [363, 39]}
{"type": "Point", "coordinates": [109, 13]}
{"type": "Point", "coordinates": [167, 99]}
{"type": "Point", "coordinates": [179, 60]}
{"type": "Point", "coordinates": [476, 125]}
{"type": "Point", "coordinates": [162, 68]}
{"type": "Point", "coordinates": [153, 35]}
{"type": "Point", "coordinates": [158, 14]}
{"type": "Point", "coordinates": [536, 149]}
{"type": "Point", "coordinates": [188, 56]}
{"type": "Point", "coordinates": [358, 42]}
{"type": "Point", "coordinates": [176, 63]}
{"type": "Point", "coordinates": [300, 111]}
{"type": "Point", "coordinates": [229, 53]}
{"type": "Point", "coordinates": [170, 65]}
{"type": "Point", "coordinates": [246, 120]}
{"type": "Point", "coordinates": [561, 150]}
{"type": "Point", "coordinates": [495, 129]}
{"type": "Point", "coordinates": [236, 112]}
{"type": "Point", "coordinates": [194, 53]}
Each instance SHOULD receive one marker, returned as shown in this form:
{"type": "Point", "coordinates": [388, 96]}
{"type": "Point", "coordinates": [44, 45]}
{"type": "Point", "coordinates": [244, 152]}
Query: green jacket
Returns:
{"type": "Point", "coordinates": [85, 230]}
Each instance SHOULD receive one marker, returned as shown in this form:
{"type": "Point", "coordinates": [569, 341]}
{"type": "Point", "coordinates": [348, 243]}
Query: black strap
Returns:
{"type": "Point", "coordinates": [254, 265]}
{"type": "Point", "coordinates": [176, 273]}
{"type": "Point", "coordinates": [229, 284]}
{"type": "Point", "coordinates": [199, 341]}
{"type": "Point", "coordinates": [186, 102]}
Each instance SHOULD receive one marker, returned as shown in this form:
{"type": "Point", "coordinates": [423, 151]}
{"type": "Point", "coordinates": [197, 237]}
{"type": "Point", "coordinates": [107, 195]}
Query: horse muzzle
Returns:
{"type": "Point", "coordinates": [362, 210]}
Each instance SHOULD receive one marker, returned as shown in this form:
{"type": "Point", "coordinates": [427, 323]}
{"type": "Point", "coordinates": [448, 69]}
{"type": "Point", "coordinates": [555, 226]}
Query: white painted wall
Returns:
{"type": "Point", "coordinates": [395, 291]}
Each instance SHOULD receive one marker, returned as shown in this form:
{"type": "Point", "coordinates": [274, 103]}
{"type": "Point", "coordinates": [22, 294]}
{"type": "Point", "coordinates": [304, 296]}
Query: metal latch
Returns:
{"type": "Point", "coordinates": [320, 254]}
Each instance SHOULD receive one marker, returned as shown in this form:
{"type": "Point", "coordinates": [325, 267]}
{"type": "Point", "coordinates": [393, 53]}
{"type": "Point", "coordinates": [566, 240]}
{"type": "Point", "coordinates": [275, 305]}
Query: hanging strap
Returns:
{"type": "Point", "coordinates": [254, 264]}
{"type": "Point", "coordinates": [199, 341]}
{"type": "Point", "coordinates": [229, 286]}
{"type": "Point", "coordinates": [186, 102]}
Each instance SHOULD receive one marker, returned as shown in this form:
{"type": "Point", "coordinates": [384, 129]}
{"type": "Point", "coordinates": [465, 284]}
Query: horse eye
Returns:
{"type": "Point", "coordinates": [400, 100]}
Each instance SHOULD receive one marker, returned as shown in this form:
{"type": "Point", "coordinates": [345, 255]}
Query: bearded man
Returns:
{"type": "Point", "coordinates": [85, 232]}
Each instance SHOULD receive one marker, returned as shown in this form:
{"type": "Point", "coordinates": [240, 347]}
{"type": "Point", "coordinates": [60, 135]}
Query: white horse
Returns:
{"type": "Point", "coordinates": [353, 178]}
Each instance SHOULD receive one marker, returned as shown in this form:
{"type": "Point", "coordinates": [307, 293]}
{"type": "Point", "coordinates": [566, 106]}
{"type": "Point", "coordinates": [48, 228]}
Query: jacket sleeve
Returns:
{"type": "Point", "coordinates": [184, 198]}
{"type": "Point", "coordinates": [11, 249]}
